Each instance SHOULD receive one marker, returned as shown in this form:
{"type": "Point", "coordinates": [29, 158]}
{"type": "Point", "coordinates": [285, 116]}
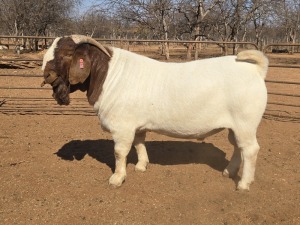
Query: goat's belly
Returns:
{"type": "Point", "coordinates": [199, 134]}
{"type": "Point", "coordinates": [188, 127]}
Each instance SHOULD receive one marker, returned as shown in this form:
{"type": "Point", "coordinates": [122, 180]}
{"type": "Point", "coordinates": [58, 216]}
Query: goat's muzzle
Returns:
{"type": "Point", "coordinates": [49, 78]}
{"type": "Point", "coordinates": [61, 90]}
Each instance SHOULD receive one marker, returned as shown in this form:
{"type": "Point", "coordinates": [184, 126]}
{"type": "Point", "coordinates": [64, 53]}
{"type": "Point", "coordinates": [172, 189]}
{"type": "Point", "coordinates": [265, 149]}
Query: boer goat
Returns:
{"type": "Point", "coordinates": [133, 94]}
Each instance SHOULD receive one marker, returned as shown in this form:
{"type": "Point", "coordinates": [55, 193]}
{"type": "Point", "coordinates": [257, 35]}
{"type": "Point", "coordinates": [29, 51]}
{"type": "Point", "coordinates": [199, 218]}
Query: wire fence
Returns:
{"type": "Point", "coordinates": [36, 104]}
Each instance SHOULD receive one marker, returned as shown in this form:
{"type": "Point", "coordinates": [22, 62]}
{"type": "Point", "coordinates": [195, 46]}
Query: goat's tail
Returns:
{"type": "Point", "coordinates": [256, 57]}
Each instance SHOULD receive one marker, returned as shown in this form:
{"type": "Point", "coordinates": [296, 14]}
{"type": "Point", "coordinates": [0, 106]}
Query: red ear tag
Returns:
{"type": "Point", "coordinates": [81, 66]}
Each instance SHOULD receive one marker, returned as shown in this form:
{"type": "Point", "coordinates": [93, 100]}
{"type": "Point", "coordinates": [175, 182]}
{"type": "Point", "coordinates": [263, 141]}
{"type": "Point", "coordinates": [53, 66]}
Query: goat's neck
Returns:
{"type": "Point", "coordinates": [99, 70]}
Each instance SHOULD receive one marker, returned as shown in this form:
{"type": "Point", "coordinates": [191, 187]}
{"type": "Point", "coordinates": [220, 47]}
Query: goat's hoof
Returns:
{"type": "Point", "coordinates": [116, 180]}
{"type": "Point", "coordinates": [141, 167]}
{"type": "Point", "coordinates": [225, 173]}
{"type": "Point", "coordinates": [243, 186]}
{"type": "Point", "coordinates": [230, 173]}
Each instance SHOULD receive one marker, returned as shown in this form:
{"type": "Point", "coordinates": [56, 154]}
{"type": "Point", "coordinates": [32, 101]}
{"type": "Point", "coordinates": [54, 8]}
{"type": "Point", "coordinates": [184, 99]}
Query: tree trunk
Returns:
{"type": "Point", "coordinates": [197, 44]}
{"type": "Point", "coordinates": [166, 44]}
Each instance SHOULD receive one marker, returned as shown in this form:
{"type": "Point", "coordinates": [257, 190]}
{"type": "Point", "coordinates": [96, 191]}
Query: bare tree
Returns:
{"type": "Point", "coordinates": [194, 12]}
{"type": "Point", "coordinates": [12, 21]}
{"type": "Point", "coordinates": [32, 17]}
{"type": "Point", "coordinates": [225, 20]}
{"type": "Point", "coordinates": [95, 24]}
{"type": "Point", "coordinates": [153, 16]}
{"type": "Point", "coordinates": [288, 15]}
{"type": "Point", "coordinates": [232, 20]}
{"type": "Point", "coordinates": [261, 17]}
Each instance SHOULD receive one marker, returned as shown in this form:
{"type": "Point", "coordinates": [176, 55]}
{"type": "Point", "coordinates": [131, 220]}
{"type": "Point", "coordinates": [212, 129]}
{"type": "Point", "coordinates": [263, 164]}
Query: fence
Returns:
{"type": "Point", "coordinates": [42, 103]}
{"type": "Point", "coordinates": [125, 43]}
{"type": "Point", "coordinates": [277, 45]}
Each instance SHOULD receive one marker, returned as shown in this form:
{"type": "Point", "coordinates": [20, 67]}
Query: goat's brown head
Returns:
{"type": "Point", "coordinates": [67, 65]}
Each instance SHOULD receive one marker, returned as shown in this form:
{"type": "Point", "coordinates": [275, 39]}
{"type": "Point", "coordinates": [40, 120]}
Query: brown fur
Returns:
{"type": "Point", "coordinates": [66, 65]}
{"type": "Point", "coordinates": [99, 69]}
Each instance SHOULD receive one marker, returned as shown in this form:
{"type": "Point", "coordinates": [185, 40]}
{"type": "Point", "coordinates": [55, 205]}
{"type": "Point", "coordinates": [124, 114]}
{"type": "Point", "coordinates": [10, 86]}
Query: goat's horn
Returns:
{"type": "Point", "coordinates": [79, 39]}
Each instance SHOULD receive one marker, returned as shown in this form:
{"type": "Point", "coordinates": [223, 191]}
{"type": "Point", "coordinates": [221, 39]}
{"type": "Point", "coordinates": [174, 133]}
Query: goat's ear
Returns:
{"type": "Point", "coordinates": [80, 65]}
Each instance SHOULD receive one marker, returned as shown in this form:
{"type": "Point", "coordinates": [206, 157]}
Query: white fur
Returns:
{"type": "Point", "coordinates": [3, 47]}
{"type": "Point", "coordinates": [185, 100]}
{"type": "Point", "coordinates": [49, 55]}
{"type": "Point", "coordinates": [255, 57]}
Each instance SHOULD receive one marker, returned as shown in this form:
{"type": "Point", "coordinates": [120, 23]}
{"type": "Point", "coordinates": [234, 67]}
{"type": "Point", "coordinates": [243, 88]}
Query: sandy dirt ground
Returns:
{"type": "Point", "coordinates": [54, 167]}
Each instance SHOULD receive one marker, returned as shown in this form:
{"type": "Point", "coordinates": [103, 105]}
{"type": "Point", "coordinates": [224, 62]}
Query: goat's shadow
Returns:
{"type": "Point", "coordinates": [159, 152]}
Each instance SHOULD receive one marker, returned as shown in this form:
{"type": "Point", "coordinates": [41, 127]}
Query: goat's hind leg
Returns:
{"type": "Point", "coordinates": [139, 144]}
{"type": "Point", "coordinates": [249, 149]}
{"type": "Point", "coordinates": [234, 165]}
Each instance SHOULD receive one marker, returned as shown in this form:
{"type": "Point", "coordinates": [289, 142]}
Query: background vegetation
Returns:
{"type": "Point", "coordinates": [260, 21]}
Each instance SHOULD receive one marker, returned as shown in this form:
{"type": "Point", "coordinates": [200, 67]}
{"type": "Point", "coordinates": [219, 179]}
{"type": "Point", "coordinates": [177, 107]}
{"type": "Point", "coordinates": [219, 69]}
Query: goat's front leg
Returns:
{"type": "Point", "coordinates": [139, 144]}
{"type": "Point", "coordinates": [122, 147]}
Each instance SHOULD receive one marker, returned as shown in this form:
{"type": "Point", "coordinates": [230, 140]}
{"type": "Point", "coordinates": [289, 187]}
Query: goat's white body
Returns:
{"type": "Point", "coordinates": [184, 100]}
{"type": "Point", "coordinates": [187, 100]}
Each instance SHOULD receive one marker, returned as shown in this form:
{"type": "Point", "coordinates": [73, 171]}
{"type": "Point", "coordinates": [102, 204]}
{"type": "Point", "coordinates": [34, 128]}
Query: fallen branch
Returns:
{"type": "Point", "coordinates": [2, 102]}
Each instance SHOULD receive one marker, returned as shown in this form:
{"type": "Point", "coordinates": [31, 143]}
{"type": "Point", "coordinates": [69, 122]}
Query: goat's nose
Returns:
{"type": "Point", "coordinates": [43, 83]}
